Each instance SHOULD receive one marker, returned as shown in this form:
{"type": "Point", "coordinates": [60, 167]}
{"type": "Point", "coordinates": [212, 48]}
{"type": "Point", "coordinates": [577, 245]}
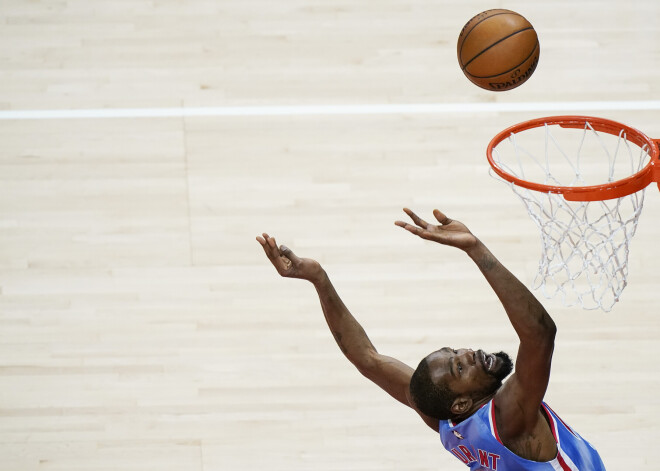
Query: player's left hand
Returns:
{"type": "Point", "coordinates": [448, 232]}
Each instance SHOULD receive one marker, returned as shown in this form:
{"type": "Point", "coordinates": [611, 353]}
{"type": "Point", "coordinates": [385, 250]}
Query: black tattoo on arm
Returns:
{"type": "Point", "coordinates": [487, 262]}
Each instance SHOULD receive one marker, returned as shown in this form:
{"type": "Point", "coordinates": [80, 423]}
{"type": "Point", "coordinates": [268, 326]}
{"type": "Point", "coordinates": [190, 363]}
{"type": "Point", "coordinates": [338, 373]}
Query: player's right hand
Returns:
{"type": "Point", "coordinates": [288, 264]}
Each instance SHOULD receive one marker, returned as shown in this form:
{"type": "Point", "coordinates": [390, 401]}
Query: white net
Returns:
{"type": "Point", "coordinates": [585, 245]}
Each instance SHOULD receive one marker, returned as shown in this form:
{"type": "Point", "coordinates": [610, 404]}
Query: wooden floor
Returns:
{"type": "Point", "coordinates": [141, 327]}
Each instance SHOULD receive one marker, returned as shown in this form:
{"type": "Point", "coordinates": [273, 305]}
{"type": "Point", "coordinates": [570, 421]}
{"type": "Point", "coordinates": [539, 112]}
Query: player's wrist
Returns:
{"type": "Point", "coordinates": [318, 277]}
{"type": "Point", "coordinates": [477, 250]}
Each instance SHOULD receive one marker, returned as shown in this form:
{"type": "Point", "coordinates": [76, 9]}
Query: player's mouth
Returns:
{"type": "Point", "coordinates": [487, 361]}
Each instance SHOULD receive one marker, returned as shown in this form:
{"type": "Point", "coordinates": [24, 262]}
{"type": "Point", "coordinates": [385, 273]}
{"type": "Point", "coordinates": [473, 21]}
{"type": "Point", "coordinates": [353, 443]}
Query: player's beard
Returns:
{"type": "Point", "coordinates": [506, 367]}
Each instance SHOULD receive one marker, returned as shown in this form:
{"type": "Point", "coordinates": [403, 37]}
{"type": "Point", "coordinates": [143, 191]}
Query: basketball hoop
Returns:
{"type": "Point", "coordinates": [582, 180]}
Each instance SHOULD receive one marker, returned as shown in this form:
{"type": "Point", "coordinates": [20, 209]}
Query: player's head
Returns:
{"type": "Point", "coordinates": [448, 382]}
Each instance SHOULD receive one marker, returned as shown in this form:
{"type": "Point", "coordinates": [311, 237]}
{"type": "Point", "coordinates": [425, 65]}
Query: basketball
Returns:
{"type": "Point", "coordinates": [498, 50]}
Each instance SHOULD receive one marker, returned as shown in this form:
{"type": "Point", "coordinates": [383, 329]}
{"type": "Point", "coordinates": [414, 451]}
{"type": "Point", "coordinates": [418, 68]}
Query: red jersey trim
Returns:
{"type": "Point", "coordinates": [492, 421]}
{"type": "Point", "coordinates": [553, 423]}
{"type": "Point", "coordinates": [563, 423]}
{"type": "Point", "coordinates": [562, 463]}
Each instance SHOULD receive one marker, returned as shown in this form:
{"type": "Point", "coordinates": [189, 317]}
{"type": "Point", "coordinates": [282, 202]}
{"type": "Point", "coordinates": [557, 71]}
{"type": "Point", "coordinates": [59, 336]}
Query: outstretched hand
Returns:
{"type": "Point", "coordinates": [287, 263]}
{"type": "Point", "coordinates": [448, 232]}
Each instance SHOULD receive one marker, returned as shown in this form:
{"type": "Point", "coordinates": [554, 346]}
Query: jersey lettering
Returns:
{"type": "Point", "coordinates": [486, 459]}
{"type": "Point", "coordinates": [483, 458]}
{"type": "Point", "coordinates": [467, 453]}
{"type": "Point", "coordinates": [493, 458]}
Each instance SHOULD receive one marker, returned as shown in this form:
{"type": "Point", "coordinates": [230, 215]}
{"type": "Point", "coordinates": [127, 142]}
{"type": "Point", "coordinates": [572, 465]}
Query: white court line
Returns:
{"type": "Point", "coordinates": [324, 110]}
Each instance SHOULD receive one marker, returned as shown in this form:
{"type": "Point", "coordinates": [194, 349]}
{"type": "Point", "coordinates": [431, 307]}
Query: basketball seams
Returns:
{"type": "Point", "coordinates": [464, 32]}
{"type": "Point", "coordinates": [496, 43]}
{"type": "Point", "coordinates": [536, 47]}
{"type": "Point", "coordinates": [465, 35]}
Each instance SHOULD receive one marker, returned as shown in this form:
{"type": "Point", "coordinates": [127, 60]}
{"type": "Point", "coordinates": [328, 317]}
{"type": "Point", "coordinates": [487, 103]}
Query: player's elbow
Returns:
{"type": "Point", "coordinates": [367, 362]}
{"type": "Point", "coordinates": [549, 327]}
{"type": "Point", "coordinates": [540, 329]}
{"type": "Point", "coordinates": [546, 330]}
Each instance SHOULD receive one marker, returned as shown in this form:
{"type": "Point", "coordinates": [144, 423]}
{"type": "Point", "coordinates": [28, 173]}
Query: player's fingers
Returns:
{"type": "Point", "coordinates": [263, 240]}
{"type": "Point", "coordinates": [265, 236]}
{"type": "Point", "coordinates": [270, 248]}
{"type": "Point", "coordinates": [441, 217]}
{"type": "Point", "coordinates": [286, 251]}
{"type": "Point", "coordinates": [409, 227]}
{"type": "Point", "coordinates": [419, 232]}
{"type": "Point", "coordinates": [272, 242]}
{"type": "Point", "coordinates": [415, 218]}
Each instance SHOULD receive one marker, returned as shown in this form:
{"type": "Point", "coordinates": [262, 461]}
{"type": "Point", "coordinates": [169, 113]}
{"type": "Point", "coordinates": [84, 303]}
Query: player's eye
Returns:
{"type": "Point", "coordinates": [459, 367]}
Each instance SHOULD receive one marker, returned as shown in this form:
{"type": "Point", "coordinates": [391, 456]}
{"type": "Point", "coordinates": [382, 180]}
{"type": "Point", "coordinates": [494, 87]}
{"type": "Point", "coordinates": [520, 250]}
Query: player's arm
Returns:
{"type": "Point", "coordinates": [390, 374]}
{"type": "Point", "coordinates": [520, 398]}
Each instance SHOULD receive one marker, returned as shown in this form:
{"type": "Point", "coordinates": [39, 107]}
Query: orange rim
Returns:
{"type": "Point", "coordinates": [616, 189]}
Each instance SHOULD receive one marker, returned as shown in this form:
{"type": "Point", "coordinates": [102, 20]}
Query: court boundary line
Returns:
{"type": "Point", "coordinates": [329, 110]}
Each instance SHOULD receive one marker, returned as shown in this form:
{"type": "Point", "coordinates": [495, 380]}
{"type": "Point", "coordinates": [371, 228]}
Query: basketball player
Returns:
{"type": "Point", "coordinates": [485, 423]}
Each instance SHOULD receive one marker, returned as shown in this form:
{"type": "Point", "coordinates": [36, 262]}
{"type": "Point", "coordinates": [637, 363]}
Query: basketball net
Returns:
{"type": "Point", "coordinates": [585, 244]}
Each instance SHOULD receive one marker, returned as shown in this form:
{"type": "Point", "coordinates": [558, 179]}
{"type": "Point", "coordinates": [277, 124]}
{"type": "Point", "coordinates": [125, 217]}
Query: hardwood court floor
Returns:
{"type": "Point", "coordinates": [141, 327]}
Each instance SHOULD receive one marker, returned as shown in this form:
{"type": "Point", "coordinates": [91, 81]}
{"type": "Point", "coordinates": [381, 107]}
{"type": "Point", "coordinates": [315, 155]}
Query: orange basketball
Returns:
{"type": "Point", "coordinates": [498, 50]}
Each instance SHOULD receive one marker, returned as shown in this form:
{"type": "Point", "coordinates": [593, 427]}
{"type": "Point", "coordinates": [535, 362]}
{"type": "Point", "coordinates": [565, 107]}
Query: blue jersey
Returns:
{"type": "Point", "coordinates": [476, 443]}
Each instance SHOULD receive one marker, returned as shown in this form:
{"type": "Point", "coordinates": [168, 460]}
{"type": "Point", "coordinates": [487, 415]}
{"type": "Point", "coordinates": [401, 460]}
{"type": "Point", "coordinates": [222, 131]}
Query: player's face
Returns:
{"type": "Point", "coordinates": [467, 372]}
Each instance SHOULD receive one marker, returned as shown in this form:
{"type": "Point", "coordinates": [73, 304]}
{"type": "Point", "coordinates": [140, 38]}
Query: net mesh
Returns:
{"type": "Point", "coordinates": [585, 244]}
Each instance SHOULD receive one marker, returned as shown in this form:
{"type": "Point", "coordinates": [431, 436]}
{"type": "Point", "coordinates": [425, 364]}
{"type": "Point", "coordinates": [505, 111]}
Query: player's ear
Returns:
{"type": "Point", "coordinates": [461, 405]}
